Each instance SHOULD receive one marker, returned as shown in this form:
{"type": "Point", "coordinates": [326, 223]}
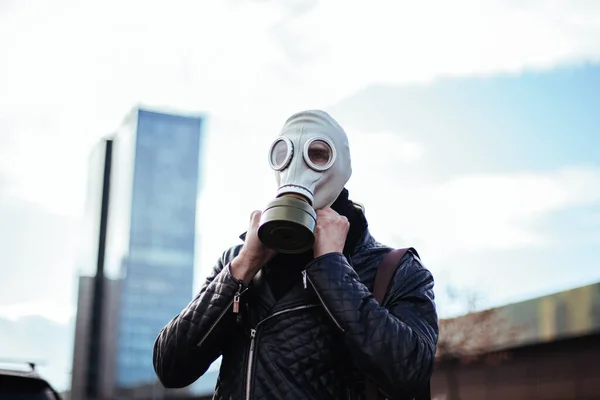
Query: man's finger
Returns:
{"type": "Point", "coordinates": [255, 217]}
{"type": "Point", "coordinates": [326, 211]}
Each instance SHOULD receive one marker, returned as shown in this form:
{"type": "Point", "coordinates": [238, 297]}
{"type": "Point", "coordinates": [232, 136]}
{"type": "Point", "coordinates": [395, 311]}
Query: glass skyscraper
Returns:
{"type": "Point", "coordinates": [151, 231]}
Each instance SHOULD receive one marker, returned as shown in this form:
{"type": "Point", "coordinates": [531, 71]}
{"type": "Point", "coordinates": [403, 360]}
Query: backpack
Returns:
{"type": "Point", "coordinates": [383, 277]}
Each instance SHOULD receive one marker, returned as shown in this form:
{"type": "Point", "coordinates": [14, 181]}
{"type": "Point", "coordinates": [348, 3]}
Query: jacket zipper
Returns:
{"type": "Point", "coordinates": [250, 362]}
{"type": "Point", "coordinates": [233, 303]}
{"type": "Point", "coordinates": [306, 278]}
{"type": "Point", "coordinates": [253, 343]}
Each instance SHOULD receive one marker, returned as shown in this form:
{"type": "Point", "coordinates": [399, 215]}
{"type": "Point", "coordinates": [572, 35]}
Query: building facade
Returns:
{"type": "Point", "coordinates": [139, 238]}
{"type": "Point", "coordinates": [152, 232]}
{"type": "Point", "coordinates": [97, 298]}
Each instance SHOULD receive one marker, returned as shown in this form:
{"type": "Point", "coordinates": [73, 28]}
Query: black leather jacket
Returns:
{"type": "Point", "coordinates": [317, 342]}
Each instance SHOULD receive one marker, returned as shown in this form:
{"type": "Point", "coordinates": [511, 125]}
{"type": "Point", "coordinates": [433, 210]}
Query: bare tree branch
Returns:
{"type": "Point", "coordinates": [470, 336]}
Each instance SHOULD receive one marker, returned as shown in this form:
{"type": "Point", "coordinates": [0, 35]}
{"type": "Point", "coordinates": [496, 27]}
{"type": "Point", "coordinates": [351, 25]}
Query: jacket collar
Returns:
{"type": "Point", "coordinates": [366, 240]}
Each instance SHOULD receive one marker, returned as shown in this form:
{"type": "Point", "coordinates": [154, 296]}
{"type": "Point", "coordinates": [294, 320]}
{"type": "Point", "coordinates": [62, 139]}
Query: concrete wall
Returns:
{"type": "Point", "coordinates": [561, 370]}
{"type": "Point", "coordinates": [112, 291]}
{"type": "Point", "coordinates": [82, 335]}
{"type": "Point", "coordinates": [82, 331]}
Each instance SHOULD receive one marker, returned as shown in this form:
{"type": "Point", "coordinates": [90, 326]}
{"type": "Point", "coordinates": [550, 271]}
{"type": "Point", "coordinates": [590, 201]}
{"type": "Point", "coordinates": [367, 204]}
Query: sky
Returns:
{"type": "Point", "coordinates": [473, 127]}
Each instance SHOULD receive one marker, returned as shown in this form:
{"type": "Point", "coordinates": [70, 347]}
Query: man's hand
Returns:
{"type": "Point", "coordinates": [330, 232]}
{"type": "Point", "coordinates": [253, 255]}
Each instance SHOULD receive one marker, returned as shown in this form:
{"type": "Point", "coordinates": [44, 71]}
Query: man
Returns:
{"type": "Point", "coordinates": [307, 326]}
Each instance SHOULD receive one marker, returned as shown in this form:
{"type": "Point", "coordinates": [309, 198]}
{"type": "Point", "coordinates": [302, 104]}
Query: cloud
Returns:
{"type": "Point", "coordinates": [408, 203]}
{"type": "Point", "coordinates": [40, 340]}
{"type": "Point", "coordinates": [38, 251]}
{"type": "Point", "coordinates": [51, 310]}
{"type": "Point", "coordinates": [403, 42]}
{"type": "Point", "coordinates": [382, 148]}
{"type": "Point", "coordinates": [477, 212]}
{"type": "Point", "coordinates": [61, 90]}
{"type": "Point", "coordinates": [72, 70]}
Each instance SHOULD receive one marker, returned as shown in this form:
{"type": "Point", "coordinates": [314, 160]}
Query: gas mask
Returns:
{"type": "Point", "coordinates": [311, 160]}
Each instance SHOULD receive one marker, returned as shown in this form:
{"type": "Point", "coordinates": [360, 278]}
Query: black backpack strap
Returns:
{"type": "Point", "coordinates": [383, 278]}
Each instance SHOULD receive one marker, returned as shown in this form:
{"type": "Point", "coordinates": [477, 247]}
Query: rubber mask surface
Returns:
{"type": "Point", "coordinates": [311, 160]}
